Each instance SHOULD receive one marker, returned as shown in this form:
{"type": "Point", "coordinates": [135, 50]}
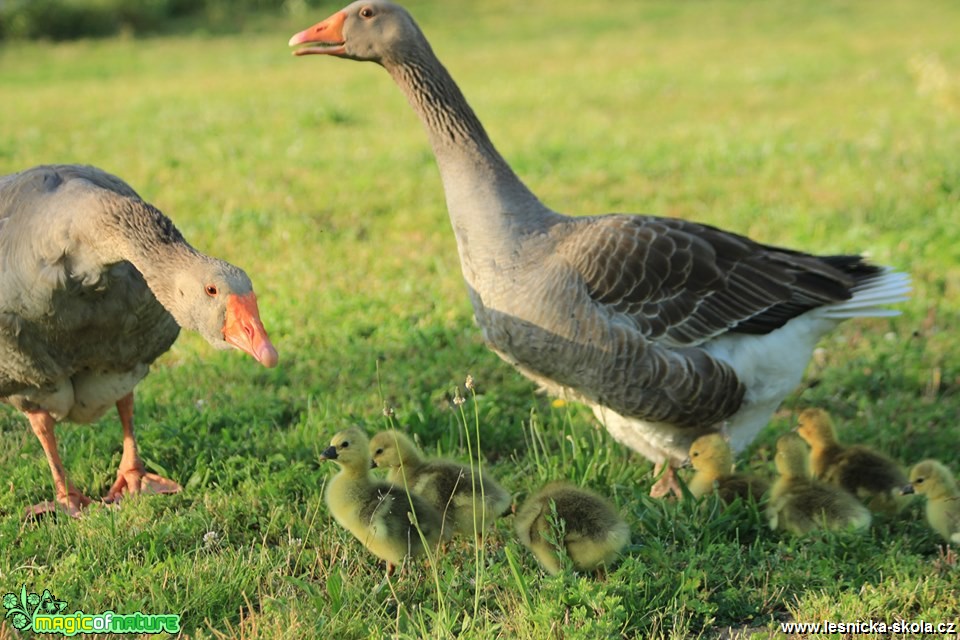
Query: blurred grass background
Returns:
{"type": "Point", "coordinates": [75, 19]}
{"type": "Point", "coordinates": [824, 126]}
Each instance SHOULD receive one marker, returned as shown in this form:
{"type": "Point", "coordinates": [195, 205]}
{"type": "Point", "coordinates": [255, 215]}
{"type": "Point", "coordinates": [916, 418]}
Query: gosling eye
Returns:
{"type": "Point", "coordinates": [378, 451]}
{"type": "Point", "coordinates": [918, 481]}
{"type": "Point", "coordinates": [344, 444]}
{"type": "Point", "coordinates": [211, 290]}
{"type": "Point", "coordinates": [694, 454]}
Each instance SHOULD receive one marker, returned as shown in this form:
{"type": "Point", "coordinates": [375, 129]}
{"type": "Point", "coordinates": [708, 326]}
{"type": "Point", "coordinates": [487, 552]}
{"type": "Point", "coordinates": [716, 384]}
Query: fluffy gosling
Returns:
{"type": "Point", "coordinates": [383, 516]}
{"type": "Point", "coordinates": [468, 503]}
{"type": "Point", "coordinates": [712, 461]}
{"type": "Point", "coordinates": [799, 503]}
{"type": "Point", "coordinates": [868, 474]}
{"type": "Point", "coordinates": [932, 479]}
{"type": "Point", "coordinates": [592, 533]}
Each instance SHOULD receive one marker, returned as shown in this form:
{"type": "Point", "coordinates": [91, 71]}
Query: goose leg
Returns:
{"type": "Point", "coordinates": [68, 498]}
{"type": "Point", "coordinates": [667, 484]}
{"type": "Point", "coordinates": [132, 476]}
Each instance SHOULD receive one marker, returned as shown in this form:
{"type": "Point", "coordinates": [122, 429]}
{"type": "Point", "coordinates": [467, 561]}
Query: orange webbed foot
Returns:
{"type": "Point", "coordinates": [137, 480]}
{"type": "Point", "coordinates": [667, 483]}
{"type": "Point", "coordinates": [72, 504]}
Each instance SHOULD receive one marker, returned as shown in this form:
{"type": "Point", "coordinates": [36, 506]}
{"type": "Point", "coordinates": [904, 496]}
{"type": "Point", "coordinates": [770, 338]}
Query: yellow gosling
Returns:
{"type": "Point", "coordinates": [871, 476]}
{"type": "Point", "coordinates": [799, 503]}
{"type": "Point", "coordinates": [932, 479]}
{"type": "Point", "coordinates": [468, 503]}
{"type": "Point", "coordinates": [593, 533]}
{"type": "Point", "coordinates": [712, 461]}
{"type": "Point", "coordinates": [383, 516]}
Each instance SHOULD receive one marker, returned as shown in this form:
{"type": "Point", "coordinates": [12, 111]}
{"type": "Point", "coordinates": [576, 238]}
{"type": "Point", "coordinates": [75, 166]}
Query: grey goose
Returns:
{"type": "Point", "coordinates": [667, 328]}
{"type": "Point", "coordinates": [94, 286]}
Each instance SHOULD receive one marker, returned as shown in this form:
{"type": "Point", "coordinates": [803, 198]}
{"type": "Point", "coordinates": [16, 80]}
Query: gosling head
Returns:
{"type": "Point", "coordinates": [932, 479]}
{"type": "Point", "coordinates": [793, 457]}
{"type": "Point", "coordinates": [711, 452]}
{"type": "Point", "coordinates": [390, 449]}
{"type": "Point", "coordinates": [816, 427]}
{"type": "Point", "coordinates": [349, 449]}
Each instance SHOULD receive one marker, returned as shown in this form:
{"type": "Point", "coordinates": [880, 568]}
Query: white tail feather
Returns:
{"type": "Point", "coordinates": [871, 297]}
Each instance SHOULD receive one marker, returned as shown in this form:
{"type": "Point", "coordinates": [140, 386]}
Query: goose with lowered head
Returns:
{"type": "Point", "coordinates": [94, 286]}
{"type": "Point", "coordinates": [667, 328]}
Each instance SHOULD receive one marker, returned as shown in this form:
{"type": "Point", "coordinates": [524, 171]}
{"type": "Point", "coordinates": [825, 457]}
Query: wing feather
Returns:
{"type": "Point", "coordinates": [683, 283]}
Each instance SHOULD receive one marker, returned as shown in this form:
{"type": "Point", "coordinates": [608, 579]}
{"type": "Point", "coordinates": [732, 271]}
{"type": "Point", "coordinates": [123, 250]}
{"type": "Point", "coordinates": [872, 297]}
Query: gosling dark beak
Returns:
{"type": "Point", "coordinates": [907, 490]}
{"type": "Point", "coordinates": [330, 453]}
{"type": "Point", "coordinates": [373, 464]}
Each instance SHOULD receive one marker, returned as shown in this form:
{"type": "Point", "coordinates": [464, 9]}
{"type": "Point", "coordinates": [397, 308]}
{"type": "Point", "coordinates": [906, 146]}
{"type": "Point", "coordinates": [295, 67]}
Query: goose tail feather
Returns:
{"type": "Point", "coordinates": [872, 295]}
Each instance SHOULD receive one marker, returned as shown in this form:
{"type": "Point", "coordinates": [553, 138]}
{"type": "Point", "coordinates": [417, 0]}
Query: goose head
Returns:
{"type": "Point", "coordinates": [216, 300]}
{"type": "Point", "coordinates": [365, 30]}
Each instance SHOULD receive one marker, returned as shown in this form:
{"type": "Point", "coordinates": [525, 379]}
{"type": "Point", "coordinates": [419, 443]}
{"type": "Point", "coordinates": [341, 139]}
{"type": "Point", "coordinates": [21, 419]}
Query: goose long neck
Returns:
{"type": "Point", "coordinates": [473, 171]}
{"type": "Point", "coordinates": [137, 232]}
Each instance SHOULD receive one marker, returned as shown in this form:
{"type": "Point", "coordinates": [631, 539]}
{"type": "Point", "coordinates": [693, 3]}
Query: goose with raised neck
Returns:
{"type": "Point", "coordinates": [668, 329]}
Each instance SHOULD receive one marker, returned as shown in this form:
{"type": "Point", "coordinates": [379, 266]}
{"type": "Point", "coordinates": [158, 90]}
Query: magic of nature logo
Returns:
{"type": "Point", "coordinates": [44, 613]}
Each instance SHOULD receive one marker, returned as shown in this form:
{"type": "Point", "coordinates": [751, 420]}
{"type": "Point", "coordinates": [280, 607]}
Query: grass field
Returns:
{"type": "Point", "coordinates": [825, 126]}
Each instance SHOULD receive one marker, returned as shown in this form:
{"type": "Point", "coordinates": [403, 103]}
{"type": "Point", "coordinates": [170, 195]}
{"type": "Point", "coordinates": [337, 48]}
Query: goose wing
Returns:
{"type": "Point", "coordinates": [666, 287]}
{"type": "Point", "coordinates": [682, 283]}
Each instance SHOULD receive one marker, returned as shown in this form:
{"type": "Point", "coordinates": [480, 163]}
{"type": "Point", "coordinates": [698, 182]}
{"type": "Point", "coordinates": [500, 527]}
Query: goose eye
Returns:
{"type": "Point", "coordinates": [366, 12]}
{"type": "Point", "coordinates": [211, 290]}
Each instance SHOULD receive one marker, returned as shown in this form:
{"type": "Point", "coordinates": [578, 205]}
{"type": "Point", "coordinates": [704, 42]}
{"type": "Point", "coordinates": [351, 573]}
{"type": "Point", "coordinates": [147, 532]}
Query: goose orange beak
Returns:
{"type": "Point", "coordinates": [323, 37]}
{"type": "Point", "coordinates": [243, 329]}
